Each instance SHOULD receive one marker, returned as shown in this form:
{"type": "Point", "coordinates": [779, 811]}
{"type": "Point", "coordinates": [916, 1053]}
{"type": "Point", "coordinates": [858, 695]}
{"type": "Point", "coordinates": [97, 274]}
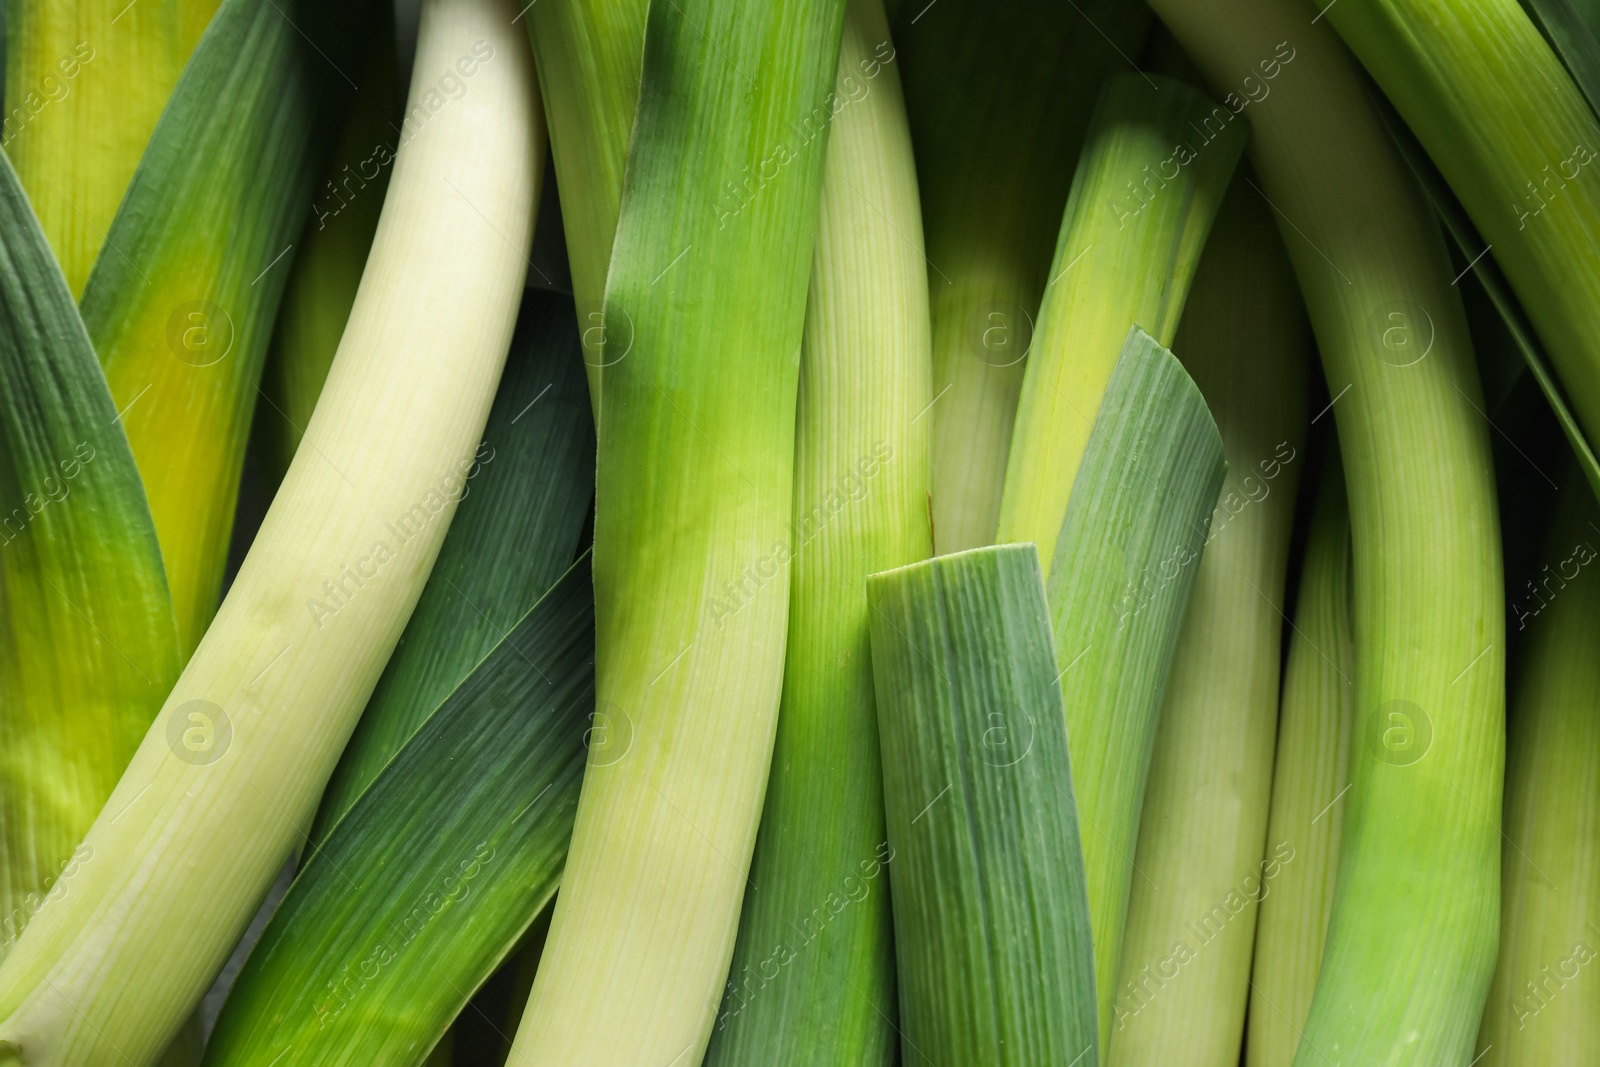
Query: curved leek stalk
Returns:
{"type": "Point", "coordinates": [999, 98]}
{"type": "Point", "coordinates": [85, 83]}
{"type": "Point", "coordinates": [1412, 939]}
{"type": "Point", "coordinates": [1244, 340]}
{"type": "Point", "coordinates": [1544, 1006]}
{"type": "Point", "coordinates": [1516, 159]}
{"type": "Point", "coordinates": [223, 785]}
{"type": "Point", "coordinates": [860, 506]}
{"type": "Point", "coordinates": [589, 55]}
{"type": "Point", "coordinates": [705, 307]}
{"type": "Point", "coordinates": [1128, 245]}
{"type": "Point", "coordinates": [1309, 779]}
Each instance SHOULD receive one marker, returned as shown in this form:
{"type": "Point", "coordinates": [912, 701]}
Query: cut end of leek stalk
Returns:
{"type": "Point", "coordinates": [991, 914]}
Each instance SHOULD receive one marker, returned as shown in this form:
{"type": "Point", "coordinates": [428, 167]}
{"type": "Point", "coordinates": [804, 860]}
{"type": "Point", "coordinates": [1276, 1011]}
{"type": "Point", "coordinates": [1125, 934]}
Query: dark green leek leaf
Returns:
{"type": "Point", "coordinates": [1573, 41]}
{"type": "Point", "coordinates": [89, 647]}
{"type": "Point", "coordinates": [427, 883]}
{"type": "Point", "coordinates": [991, 916]}
{"type": "Point", "coordinates": [516, 530]}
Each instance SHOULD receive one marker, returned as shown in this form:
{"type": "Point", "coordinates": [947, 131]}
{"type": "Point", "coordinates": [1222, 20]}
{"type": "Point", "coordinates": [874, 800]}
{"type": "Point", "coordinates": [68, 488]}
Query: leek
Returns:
{"type": "Point", "coordinates": [1311, 774]}
{"type": "Point", "coordinates": [822, 992]}
{"type": "Point", "coordinates": [1542, 1007]}
{"type": "Point", "coordinates": [1515, 160]}
{"type": "Point", "coordinates": [1129, 242]}
{"type": "Point", "coordinates": [1244, 340]}
{"type": "Point", "coordinates": [1411, 941]}
{"type": "Point", "coordinates": [218, 792]}
{"type": "Point", "coordinates": [85, 83]}
{"type": "Point", "coordinates": [693, 497]}
{"type": "Point", "coordinates": [589, 56]}
{"type": "Point", "coordinates": [991, 913]}
{"type": "Point", "coordinates": [1125, 565]}
{"type": "Point", "coordinates": [998, 97]}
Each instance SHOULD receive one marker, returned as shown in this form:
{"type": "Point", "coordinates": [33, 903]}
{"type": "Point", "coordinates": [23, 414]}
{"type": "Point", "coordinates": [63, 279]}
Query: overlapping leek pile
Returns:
{"type": "Point", "coordinates": [799, 533]}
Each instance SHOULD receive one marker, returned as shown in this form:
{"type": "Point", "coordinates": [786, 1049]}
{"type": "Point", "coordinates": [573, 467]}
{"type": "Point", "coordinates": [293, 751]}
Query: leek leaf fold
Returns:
{"type": "Point", "coordinates": [1125, 565]}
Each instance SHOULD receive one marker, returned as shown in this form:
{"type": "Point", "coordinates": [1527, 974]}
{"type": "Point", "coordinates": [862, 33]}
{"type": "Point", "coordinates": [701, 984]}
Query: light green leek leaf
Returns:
{"type": "Point", "coordinates": [1245, 341]}
{"type": "Point", "coordinates": [1489, 276]}
{"type": "Point", "coordinates": [1125, 564]}
{"type": "Point", "coordinates": [1520, 170]}
{"type": "Point", "coordinates": [86, 82]}
{"type": "Point", "coordinates": [329, 256]}
{"type": "Point", "coordinates": [514, 534]}
{"type": "Point", "coordinates": [426, 883]}
{"type": "Point", "coordinates": [181, 301]}
{"type": "Point", "coordinates": [705, 309]}
{"type": "Point", "coordinates": [808, 984]}
{"type": "Point", "coordinates": [1542, 1008]}
{"type": "Point", "coordinates": [991, 915]}
{"type": "Point", "coordinates": [1310, 776]}
{"type": "Point", "coordinates": [999, 97]}
{"type": "Point", "coordinates": [1411, 942]}
{"type": "Point", "coordinates": [224, 785]}
{"type": "Point", "coordinates": [590, 54]}
{"type": "Point", "coordinates": [89, 646]}
{"type": "Point", "coordinates": [1155, 166]}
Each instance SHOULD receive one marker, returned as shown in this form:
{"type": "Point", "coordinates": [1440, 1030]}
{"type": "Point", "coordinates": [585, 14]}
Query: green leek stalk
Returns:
{"type": "Point", "coordinates": [860, 506]}
{"type": "Point", "coordinates": [1135, 526]}
{"type": "Point", "coordinates": [1544, 1009]}
{"type": "Point", "coordinates": [589, 55]}
{"type": "Point", "coordinates": [1244, 340]}
{"type": "Point", "coordinates": [999, 98]}
{"type": "Point", "coordinates": [219, 791]}
{"type": "Point", "coordinates": [181, 303]}
{"type": "Point", "coordinates": [1413, 933]}
{"type": "Point", "coordinates": [990, 909]}
{"type": "Point", "coordinates": [694, 489]}
{"type": "Point", "coordinates": [1515, 159]}
{"type": "Point", "coordinates": [90, 645]}
{"type": "Point", "coordinates": [330, 254]}
{"type": "Point", "coordinates": [1128, 246]}
{"type": "Point", "coordinates": [1309, 778]}
{"type": "Point", "coordinates": [86, 82]}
